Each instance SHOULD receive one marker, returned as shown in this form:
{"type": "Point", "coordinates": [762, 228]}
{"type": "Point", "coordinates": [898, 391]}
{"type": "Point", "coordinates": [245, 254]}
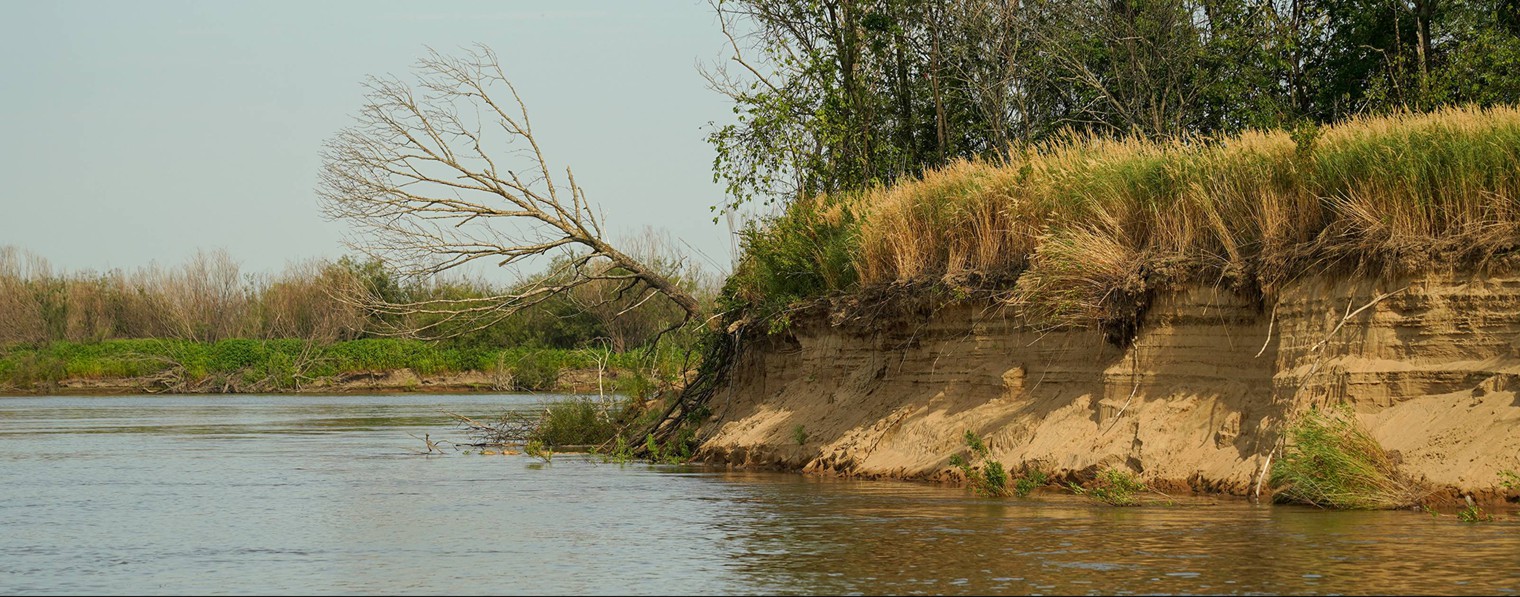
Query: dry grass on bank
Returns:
{"type": "Point", "coordinates": [1087, 225]}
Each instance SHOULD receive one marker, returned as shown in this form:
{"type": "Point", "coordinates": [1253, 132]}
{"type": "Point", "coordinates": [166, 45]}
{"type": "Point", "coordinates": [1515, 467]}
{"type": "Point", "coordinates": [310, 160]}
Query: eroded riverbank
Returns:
{"type": "Point", "coordinates": [1197, 400]}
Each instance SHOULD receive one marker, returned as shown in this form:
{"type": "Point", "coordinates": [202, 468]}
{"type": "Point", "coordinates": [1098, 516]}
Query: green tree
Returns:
{"type": "Point", "coordinates": [833, 95]}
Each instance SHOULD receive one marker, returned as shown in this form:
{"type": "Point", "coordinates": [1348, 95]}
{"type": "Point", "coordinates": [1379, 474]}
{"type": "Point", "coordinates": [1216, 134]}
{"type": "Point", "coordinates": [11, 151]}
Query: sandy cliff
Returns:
{"type": "Point", "coordinates": [1197, 400]}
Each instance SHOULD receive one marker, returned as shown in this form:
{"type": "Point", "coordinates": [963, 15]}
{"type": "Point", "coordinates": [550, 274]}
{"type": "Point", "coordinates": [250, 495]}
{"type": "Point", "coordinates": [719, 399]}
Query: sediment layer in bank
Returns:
{"type": "Point", "coordinates": [1198, 399]}
{"type": "Point", "coordinates": [1168, 306]}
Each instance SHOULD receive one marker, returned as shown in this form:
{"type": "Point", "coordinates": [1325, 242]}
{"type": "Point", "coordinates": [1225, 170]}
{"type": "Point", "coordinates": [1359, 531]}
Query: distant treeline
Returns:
{"type": "Point", "coordinates": [210, 298]}
{"type": "Point", "coordinates": [243, 365]}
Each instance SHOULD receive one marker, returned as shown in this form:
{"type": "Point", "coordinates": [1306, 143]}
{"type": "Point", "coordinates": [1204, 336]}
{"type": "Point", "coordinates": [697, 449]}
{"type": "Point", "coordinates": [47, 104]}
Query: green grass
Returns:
{"type": "Point", "coordinates": [278, 365]}
{"type": "Point", "coordinates": [1332, 462]}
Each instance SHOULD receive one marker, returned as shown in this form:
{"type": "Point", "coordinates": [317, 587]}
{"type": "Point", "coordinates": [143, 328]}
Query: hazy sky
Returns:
{"type": "Point", "coordinates": [136, 132]}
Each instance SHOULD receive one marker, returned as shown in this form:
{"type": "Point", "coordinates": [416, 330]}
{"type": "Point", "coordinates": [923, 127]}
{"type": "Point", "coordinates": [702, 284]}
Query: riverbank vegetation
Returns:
{"type": "Point", "coordinates": [1112, 486]}
{"type": "Point", "coordinates": [836, 96]}
{"type": "Point", "coordinates": [205, 326]}
{"type": "Point", "coordinates": [1330, 461]}
{"type": "Point", "coordinates": [242, 365]}
{"type": "Point", "coordinates": [1069, 159]}
{"type": "Point", "coordinates": [1071, 156]}
{"type": "Point", "coordinates": [1081, 231]}
{"type": "Point", "coordinates": [984, 474]}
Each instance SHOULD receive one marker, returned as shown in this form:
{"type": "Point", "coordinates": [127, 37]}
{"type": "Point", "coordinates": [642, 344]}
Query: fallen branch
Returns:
{"type": "Point", "coordinates": [513, 427]}
{"type": "Point", "coordinates": [432, 446]}
{"type": "Point", "coordinates": [1270, 322]}
{"type": "Point", "coordinates": [1134, 374]}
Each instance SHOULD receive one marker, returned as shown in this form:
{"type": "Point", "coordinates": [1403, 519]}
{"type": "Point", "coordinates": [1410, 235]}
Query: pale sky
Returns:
{"type": "Point", "coordinates": [139, 132]}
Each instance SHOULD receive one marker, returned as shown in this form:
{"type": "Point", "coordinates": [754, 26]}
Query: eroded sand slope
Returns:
{"type": "Point", "coordinates": [1197, 400]}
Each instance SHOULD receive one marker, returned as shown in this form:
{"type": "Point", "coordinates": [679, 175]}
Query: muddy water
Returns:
{"type": "Point", "coordinates": [310, 494]}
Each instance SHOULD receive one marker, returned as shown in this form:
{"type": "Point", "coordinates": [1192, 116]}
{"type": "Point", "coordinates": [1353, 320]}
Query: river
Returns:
{"type": "Point", "coordinates": [325, 494]}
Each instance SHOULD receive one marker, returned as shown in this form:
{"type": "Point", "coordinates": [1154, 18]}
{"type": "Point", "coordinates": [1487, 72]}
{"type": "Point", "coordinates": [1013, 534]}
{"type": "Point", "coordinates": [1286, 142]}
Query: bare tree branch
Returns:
{"type": "Point", "coordinates": [420, 175]}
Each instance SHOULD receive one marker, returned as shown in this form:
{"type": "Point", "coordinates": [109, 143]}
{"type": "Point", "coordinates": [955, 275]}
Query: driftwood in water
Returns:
{"type": "Point", "coordinates": [513, 427]}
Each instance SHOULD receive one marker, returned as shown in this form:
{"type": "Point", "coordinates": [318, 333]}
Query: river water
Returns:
{"type": "Point", "coordinates": [319, 494]}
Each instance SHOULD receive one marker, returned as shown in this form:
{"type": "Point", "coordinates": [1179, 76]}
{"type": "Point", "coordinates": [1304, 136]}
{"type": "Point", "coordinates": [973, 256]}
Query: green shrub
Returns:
{"type": "Point", "coordinates": [635, 383]}
{"type": "Point", "coordinates": [535, 372]}
{"type": "Point", "coordinates": [1332, 462]}
{"type": "Point", "coordinates": [1472, 513]}
{"type": "Point", "coordinates": [676, 450]}
{"type": "Point", "coordinates": [236, 354]}
{"type": "Point", "coordinates": [1115, 487]}
{"type": "Point", "coordinates": [578, 422]}
{"type": "Point", "coordinates": [987, 476]}
{"type": "Point", "coordinates": [32, 369]}
{"type": "Point", "coordinates": [805, 253]}
{"type": "Point", "coordinates": [621, 453]}
{"type": "Point", "coordinates": [1031, 480]}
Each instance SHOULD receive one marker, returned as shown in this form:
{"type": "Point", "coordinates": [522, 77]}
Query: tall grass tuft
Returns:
{"type": "Point", "coordinates": [1332, 462]}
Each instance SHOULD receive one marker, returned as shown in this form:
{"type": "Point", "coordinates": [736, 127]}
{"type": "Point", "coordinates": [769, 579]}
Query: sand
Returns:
{"type": "Point", "coordinates": [1430, 365]}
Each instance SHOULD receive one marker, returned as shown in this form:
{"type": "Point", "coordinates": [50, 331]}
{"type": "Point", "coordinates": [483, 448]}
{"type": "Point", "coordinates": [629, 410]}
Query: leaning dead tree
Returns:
{"type": "Point", "coordinates": [443, 171]}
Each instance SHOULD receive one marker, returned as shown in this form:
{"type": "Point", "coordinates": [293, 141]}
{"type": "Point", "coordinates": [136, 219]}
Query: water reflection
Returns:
{"type": "Point", "coordinates": [904, 540]}
{"type": "Point", "coordinates": [322, 494]}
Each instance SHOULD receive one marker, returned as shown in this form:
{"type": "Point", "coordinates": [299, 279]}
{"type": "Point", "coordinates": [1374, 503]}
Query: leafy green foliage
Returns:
{"type": "Point", "coordinates": [535, 372]}
{"type": "Point", "coordinates": [1031, 480]}
{"type": "Point", "coordinates": [804, 254]}
{"type": "Point", "coordinates": [1472, 513]}
{"type": "Point", "coordinates": [986, 476]}
{"type": "Point", "coordinates": [636, 383]}
{"type": "Point", "coordinates": [621, 453]}
{"type": "Point", "coordinates": [537, 449]}
{"type": "Point", "coordinates": [678, 449]}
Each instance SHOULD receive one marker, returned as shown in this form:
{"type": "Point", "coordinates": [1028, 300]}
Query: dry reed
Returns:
{"type": "Point", "coordinates": [1090, 225]}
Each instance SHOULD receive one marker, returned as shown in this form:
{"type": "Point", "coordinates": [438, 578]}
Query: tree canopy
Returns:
{"type": "Point", "coordinates": [842, 94]}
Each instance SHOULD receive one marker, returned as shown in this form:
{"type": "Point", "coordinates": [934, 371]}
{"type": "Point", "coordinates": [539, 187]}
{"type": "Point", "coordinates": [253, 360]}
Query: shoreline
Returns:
{"type": "Point", "coordinates": [391, 381]}
{"type": "Point", "coordinates": [1195, 403]}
